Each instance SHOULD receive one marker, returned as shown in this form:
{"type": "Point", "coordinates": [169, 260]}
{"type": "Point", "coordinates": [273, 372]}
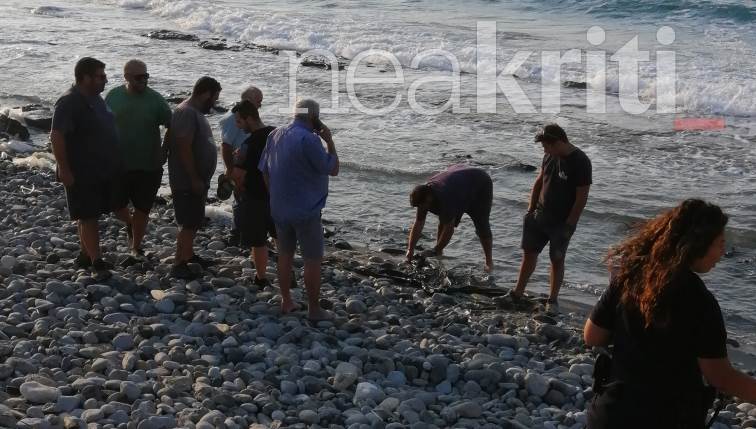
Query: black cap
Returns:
{"type": "Point", "coordinates": [551, 133]}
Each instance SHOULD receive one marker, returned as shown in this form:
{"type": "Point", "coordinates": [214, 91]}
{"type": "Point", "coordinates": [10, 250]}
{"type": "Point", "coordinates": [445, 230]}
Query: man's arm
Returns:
{"type": "Point", "coordinates": [581, 198]}
{"type": "Point", "coordinates": [325, 134]}
{"type": "Point", "coordinates": [165, 147]}
{"type": "Point", "coordinates": [58, 142]}
{"type": "Point", "coordinates": [535, 193]}
{"type": "Point", "coordinates": [183, 146]}
{"type": "Point", "coordinates": [415, 231]}
{"type": "Point", "coordinates": [227, 153]}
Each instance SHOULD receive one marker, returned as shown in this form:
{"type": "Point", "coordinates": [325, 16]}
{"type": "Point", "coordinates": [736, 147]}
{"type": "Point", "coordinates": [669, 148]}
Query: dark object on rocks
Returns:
{"type": "Point", "coordinates": [160, 201]}
{"type": "Point", "coordinates": [391, 251]}
{"type": "Point", "coordinates": [37, 116]}
{"type": "Point", "coordinates": [574, 84]}
{"type": "Point", "coordinates": [171, 35]}
{"type": "Point", "coordinates": [213, 46]}
{"type": "Point", "coordinates": [12, 127]}
{"type": "Point", "coordinates": [176, 98]}
{"type": "Point", "coordinates": [263, 48]}
{"type": "Point", "coordinates": [553, 333]}
{"type": "Point", "coordinates": [322, 62]}
{"type": "Point", "coordinates": [543, 318]}
{"type": "Point", "coordinates": [220, 109]}
{"type": "Point", "coordinates": [343, 245]}
{"type": "Point", "coordinates": [526, 167]}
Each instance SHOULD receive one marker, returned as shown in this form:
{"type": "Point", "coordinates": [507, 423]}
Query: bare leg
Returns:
{"type": "Point", "coordinates": [82, 243]}
{"type": "Point", "coordinates": [260, 257]}
{"type": "Point", "coordinates": [284, 282]}
{"type": "Point", "coordinates": [90, 237]}
{"type": "Point", "coordinates": [529, 260]}
{"type": "Point", "coordinates": [487, 243]}
{"type": "Point", "coordinates": [184, 245]}
{"type": "Point", "coordinates": [557, 275]}
{"type": "Point", "coordinates": [124, 216]}
{"type": "Point", "coordinates": [312, 284]}
{"type": "Point", "coordinates": [139, 227]}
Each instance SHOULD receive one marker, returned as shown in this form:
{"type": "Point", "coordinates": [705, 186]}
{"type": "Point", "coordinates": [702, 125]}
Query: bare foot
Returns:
{"type": "Point", "coordinates": [488, 268]}
{"type": "Point", "coordinates": [319, 314]}
{"type": "Point", "coordinates": [289, 306]}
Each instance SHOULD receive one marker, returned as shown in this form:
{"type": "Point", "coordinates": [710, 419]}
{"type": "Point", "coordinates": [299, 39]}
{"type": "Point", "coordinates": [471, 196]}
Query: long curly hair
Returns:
{"type": "Point", "coordinates": [645, 264]}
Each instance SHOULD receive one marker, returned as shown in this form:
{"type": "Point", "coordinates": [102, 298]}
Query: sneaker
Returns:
{"type": "Point", "coordinates": [82, 261]}
{"type": "Point", "coordinates": [182, 271]}
{"type": "Point", "coordinates": [552, 308]}
{"type": "Point", "coordinates": [204, 263]}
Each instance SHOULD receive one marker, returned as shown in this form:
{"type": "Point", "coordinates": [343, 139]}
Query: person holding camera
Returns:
{"type": "Point", "coordinates": [665, 326]}
{"type": "Point", "coordinates": [296, 168]}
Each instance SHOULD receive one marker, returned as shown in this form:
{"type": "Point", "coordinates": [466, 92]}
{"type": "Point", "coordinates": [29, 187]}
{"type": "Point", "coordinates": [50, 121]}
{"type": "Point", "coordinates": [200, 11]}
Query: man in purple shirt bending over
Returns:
{"type": "Point", "coordinates": [296, 168]}
{"type": "Point", "coordinates": [450, 194]}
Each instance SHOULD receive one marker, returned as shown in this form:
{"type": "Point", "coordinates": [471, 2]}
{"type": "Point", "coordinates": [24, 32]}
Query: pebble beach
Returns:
{"type": "Point", "coordinates": [411, 346]}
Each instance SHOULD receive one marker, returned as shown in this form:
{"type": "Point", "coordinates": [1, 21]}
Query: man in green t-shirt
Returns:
{"type": "Point", "coordinates": [139, 112]}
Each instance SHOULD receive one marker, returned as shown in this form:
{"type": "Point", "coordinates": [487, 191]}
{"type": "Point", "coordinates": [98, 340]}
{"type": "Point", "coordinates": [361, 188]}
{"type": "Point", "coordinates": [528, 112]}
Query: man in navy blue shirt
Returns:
{"type": "Point", "coordinates": [296, 168]}
{"type": "Point", "coordinates": [85, 144]}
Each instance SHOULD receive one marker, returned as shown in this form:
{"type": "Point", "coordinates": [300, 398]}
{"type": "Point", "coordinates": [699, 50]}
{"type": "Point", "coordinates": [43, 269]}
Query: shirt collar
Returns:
{"type": "Point", "coordinates": [303, 124]}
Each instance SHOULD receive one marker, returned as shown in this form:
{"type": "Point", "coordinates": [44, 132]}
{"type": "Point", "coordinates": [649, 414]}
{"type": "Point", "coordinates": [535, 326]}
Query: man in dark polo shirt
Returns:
{"type": "Point", "coordinates": [191, 164]}
{"type": "Point", "coordinates": [557, 200]}
{"type": "Point", "coordinates": [255, 222]}
{"type": "Point", "coordinates": [450, 194]}
{"type": "Point", "coordinates": [84, 142]}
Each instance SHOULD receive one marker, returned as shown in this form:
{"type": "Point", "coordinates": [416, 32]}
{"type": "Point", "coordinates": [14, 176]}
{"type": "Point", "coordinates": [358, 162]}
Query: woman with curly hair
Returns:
{"type": "Point", "coordinates": [666, 327]}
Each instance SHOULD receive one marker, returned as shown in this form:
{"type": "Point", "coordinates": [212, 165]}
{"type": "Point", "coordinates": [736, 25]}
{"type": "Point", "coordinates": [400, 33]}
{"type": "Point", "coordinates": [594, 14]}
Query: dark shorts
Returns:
{"type": "Point", "coordinates": [480, 210]}
{"type": "Point", "coordinates": [89, 200]}
{"type": "Point", "coordinates": [189, 209]}
{"type": "Point", "coordinates": [139, 188]}
{"type": "Point", "coordinates": [536, 232]}
{"type": "Point", "coordinates": [255, 222]}
{"type": "Point", "coordinates": [308, 233]}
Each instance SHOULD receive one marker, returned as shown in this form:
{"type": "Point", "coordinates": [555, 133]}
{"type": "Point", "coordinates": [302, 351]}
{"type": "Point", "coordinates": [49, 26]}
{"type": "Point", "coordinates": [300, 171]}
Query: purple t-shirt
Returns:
{"type": "Point", "coordinates": [298, 167]}
{"type": "Point", "coordinates": [456, 190]}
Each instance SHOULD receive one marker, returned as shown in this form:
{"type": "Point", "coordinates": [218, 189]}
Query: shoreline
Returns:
{"type": "Point", "coordinates": [420, 348]}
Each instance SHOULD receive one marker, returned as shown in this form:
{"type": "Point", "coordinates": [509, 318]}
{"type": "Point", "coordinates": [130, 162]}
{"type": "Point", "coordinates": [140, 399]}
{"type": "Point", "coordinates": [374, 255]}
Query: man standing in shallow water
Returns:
{"type": "Point", "coordinates": [139, 112]}
{"type": "Point", "coordinates": [84, 142]}
{"type": "Point", "coordinates": [449, 195]}
{"type": "Point", "coordinates": [557, 200]}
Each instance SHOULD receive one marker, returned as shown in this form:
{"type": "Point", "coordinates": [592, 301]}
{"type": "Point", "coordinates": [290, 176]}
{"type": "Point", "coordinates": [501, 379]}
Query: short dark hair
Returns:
{"type": "Point", "coordinates": [206, 84]}
{"type": "Point", "coordinates": [551, 133]}
{"type": "Point", "coordinates": [87, 66]}
{"type": "Point", "coordinates": [246, 108]}
{"type": "Point", "coordinates": [420, 194]}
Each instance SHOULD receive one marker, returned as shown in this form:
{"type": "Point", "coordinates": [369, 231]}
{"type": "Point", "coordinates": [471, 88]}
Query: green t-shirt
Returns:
{"type": "Point", "coordinates": [138, 119]}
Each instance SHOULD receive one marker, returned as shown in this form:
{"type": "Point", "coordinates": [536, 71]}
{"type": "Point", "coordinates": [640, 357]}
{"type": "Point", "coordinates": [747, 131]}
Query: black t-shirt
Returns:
{"type": "Point", "coordinates": [89, 129]}
{"type": "Point", "coordinates": [664, 357]}
{"type": "Point", "coordinates": [252, 149]}
{"type": "Point", "coordinates": [561, 178]}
